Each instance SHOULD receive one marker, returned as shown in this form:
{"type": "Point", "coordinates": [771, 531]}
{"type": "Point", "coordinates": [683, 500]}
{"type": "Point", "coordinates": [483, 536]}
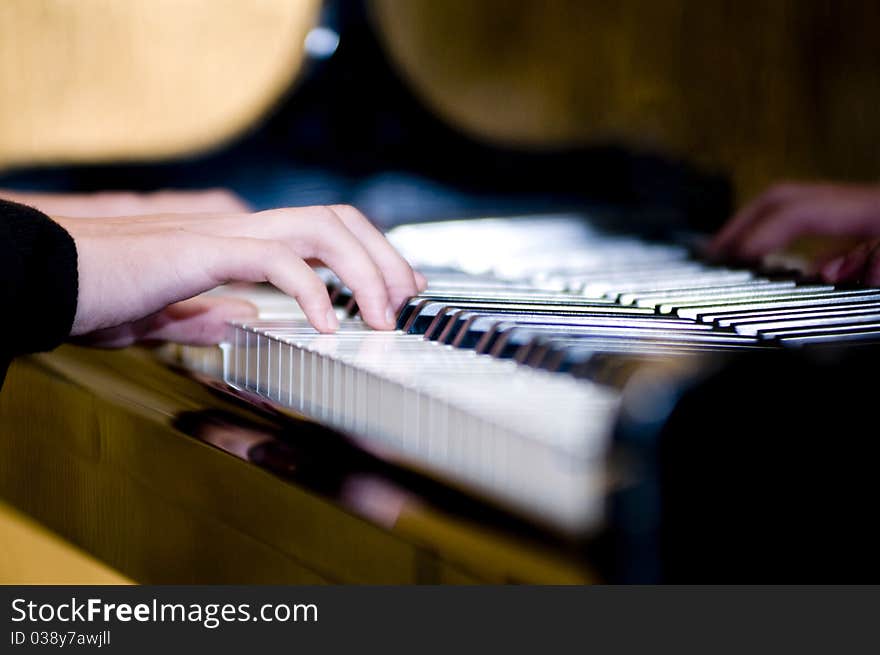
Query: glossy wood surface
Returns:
{"type": "Point", "coordinates": [31, 554]}
{"type": "Point", "coordinates": [167, 481]}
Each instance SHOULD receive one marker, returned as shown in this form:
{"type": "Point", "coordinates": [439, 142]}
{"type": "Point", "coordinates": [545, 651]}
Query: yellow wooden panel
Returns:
{"type": "Point", "coordinates": [89, 446]}
{"type": "Point", "coordinates": [31, 554]}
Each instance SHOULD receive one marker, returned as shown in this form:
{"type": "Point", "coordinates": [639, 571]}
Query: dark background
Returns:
{"type": "Point", "coordinates": [352, 132]}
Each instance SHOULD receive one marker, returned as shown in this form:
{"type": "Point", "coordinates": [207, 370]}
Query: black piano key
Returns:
{"type": "Point", "coordinates": [708, 311]}
{"type": "Point", "coordinates": [486, 328]}
{"type": "Point", "coordinates": [783, 334]}
{"type": "Point", "coordinates": [406, 313]}
{"type": "Point", "coordinates": [656, 336]}
{"type": "Point", "coordinates": [420, 313]}
{"type": "Point", "coordinates": [340, 295]}
{"type": "Point", "coordinates": [672, 305]}
{"type": "Point", "coordinates": [624, 293]}
{"type": "Point", "coordinates": [491, 329]}
{"type": "Point", "coordinates": [416, 304]}
{"type": "Point", "coordinates": [758, 289]}
{"type": "Point", "coordinates": [639, 333]}
{"type": "Point", "coordinates": [515, 343]}
{"type": "Point", "coordinates": [469, 330]}
{"type": "Point", "coordinates": [849, 336]}
{"type": "Point", "coordinates": [510, 340]}
{"type": "Point", "coordinates": [528, 344]}
{"type": "Point", "coordinates": [519, 343]}
{"type": "Point", "coordinates": [736, 318]}
{"type": "Point", "coordinates": [443, 318]}
{"type": "Point", "coordinates": [460, 324]}
{"type": "Point", "coordinates": [486, 323]}
{"type": "Point", "coordinates": [631, 297]}
{"type": "Point", "coordinates": [351, 308]}
{"type": "Point", "coordinates": [538, 353]}
{"type": "Point", "coordinates": [759, 327]}
{"type": "Point", "coordinates": [417, 325]}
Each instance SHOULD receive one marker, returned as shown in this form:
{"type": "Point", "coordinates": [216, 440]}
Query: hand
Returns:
{"type": "Point", "coordinates": [126, 203]}
{"type": "Point", "coordinates": [860, 266]}
{"type": "Point", "coordinates": [131, 269]}
{"type": "Point", "coordinates": [789, 211]}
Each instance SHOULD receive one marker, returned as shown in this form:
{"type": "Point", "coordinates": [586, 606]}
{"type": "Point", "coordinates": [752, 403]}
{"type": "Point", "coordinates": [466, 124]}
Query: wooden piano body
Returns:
{"type": "Point", "coordinates": [155, 474]}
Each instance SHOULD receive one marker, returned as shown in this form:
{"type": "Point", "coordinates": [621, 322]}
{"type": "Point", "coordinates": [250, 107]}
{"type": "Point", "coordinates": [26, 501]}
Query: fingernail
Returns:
{"type": "Point", "coordinates": [390, 317]}
{"type": "Point", "coordinates": [332, 320]}
{"type": "Point", "coordinates": [831, 270]}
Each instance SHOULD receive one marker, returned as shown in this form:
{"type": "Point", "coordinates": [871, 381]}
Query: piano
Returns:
{"type": "Point", "coordinates": [566, 403]}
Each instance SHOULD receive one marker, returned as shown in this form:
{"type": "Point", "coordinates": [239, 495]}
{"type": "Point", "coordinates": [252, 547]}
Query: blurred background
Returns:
{"type": "Point", "coordinates": [424, 109]}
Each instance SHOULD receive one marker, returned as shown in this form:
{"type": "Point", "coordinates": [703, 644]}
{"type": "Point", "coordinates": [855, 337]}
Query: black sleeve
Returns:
{"type": "Point", "coordinates": [38, 282]}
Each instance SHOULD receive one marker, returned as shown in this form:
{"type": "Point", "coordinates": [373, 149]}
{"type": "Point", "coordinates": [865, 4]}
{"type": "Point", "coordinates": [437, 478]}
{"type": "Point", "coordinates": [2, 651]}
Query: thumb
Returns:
{"type": "Point", "coordinates": [199, 321]}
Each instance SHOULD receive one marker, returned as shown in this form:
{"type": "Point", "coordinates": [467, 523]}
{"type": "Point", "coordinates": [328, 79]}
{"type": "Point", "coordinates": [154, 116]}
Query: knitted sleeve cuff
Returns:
{"type": "Point", "coordinates": [39, 270]}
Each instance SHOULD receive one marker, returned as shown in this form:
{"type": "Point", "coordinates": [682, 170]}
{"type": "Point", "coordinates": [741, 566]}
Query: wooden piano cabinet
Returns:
{"type": "Point", "coordinates": [31, 554]}
{"type": "Point", "coordinates": [165, 480]}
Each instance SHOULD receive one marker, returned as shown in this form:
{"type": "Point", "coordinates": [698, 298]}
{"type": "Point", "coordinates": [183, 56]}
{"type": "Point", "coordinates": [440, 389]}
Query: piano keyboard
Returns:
{"type": "Point", "coordinates": [494, 379]}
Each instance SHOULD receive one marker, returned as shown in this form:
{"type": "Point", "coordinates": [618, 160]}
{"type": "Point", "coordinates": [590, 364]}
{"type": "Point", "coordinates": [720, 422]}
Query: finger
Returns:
{"type": "Point", "coordinates": [118, 336]}
{"type": "Point", "coordinates": [200, 321]}
{"type": "Point", "coordinates": [764, 204]}
{"type": "Point", "coordinates": [319, 233]}
{"type": "Point", "coordinates": [830, 271]}
{"type": "Point", "coordinates": [871, 274]}
{"type": "Point", "coordinates": [329, 240]}
{"type": "Point", "coordinates": [399, 277]}
{"type": "Point", "coordinates": [421, 281]}
{"type": "Point", "coordinates": [261, 260]}
{"type": "Point", "coordinates": [849, 267]}
{"type": "Point", "coordinates": [779, 229]}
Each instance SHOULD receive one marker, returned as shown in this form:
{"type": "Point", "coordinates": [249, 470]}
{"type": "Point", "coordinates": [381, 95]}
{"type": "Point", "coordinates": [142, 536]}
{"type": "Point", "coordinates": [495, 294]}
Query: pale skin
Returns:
{"type": "Point", "coordinates": [135, 269]}
{"type": "Point", "coordinates": [103, 204]}
{"type": "Point", "coordinates": [788, 211]}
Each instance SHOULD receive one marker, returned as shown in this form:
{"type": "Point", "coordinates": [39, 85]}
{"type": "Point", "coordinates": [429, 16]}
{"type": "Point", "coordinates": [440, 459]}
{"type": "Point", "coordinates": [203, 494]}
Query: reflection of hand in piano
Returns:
{"type": "Point", "coordinates": [130, 268]}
